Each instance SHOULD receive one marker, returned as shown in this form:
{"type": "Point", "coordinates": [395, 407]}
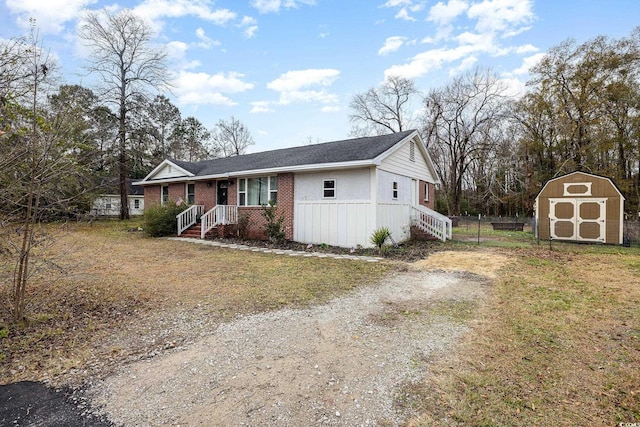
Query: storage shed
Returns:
{"type": "Point", "coordinates": [580, 207]}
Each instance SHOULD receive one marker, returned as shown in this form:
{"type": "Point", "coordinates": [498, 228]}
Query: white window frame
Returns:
{"type": "Point", "coordinates": [186, 193]}
{"type": "Point", "coordinates": [426, 191]}
{"type": "Point", "coordinates": [136, 203]}
{"type": "Point", "coordinates": [163, 200]}
{"type": "Point", "coordinates": [394, 193]}
{"type": "Point", "coordinates": [272, 190]}
{"type": "Point", "coordinates": [331, 189]}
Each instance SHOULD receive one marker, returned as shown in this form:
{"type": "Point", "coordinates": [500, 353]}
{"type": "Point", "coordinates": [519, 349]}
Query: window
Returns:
{"type": "Point", "coordinates": [329, 188]}
{"type": "Point", "coordinates": [257, 191]}
{"type": "Point", "coordinates": [191, 194]}
{"type": "Point", "coordinates": [165, 194]}
{"type": "Point", "coordinates": [136, 204]}
{"type": "Point", "coordinates": [107, 205]}
{"type": "Point", "coordinates": [426, 191]}
{"type": "Point", "coordinates": [395, 190]}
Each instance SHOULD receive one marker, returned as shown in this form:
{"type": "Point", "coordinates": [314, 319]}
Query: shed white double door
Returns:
{"type": "Point", "coordinates": [579, 219]}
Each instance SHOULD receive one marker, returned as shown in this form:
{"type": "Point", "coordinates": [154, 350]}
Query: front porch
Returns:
{"type": "Point", "coordinates": [194, 222]}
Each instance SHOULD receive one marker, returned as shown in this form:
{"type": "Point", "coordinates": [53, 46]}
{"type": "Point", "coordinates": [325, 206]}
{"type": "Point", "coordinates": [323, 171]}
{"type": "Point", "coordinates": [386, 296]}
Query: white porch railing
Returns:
{"type": "Point", "coordinates": [189, 217]}
{"type": "Point", "coordinates": [220, 214]}
{"type": "Point", "coordinates": [432, 222]}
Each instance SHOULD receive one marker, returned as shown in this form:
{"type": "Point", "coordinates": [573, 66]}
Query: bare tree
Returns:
{"type": "Point", "coordinates": [383, 110]}
{"type": "Point", "coordinates": [462, 122]}
{"type": "Point", "coordinates": [39, 164]}
{"type": "Point", "coordinates": [127, 66]}
{"type": "Point", "coordinates": [231, 138]}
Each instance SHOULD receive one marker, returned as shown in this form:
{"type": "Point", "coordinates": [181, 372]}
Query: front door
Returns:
{"type": "Point", "coordinates": [221, 197]}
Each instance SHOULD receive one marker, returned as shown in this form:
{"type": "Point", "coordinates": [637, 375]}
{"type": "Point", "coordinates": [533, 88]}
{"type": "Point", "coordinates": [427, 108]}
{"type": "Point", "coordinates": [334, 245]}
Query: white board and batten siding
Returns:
{"type": "Point", "coordinates": [339, 223]}
{"type": "Point", "coordinates": [397, 218]}
{"type": "Point", "coordinates": [345, 220]}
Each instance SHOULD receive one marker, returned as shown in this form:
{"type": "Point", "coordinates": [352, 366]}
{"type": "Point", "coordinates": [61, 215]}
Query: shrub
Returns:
{"type": "Point", "coordinates": [243, 225]}
{"type": "Point", "coordinates": [273, 226]}
{"type": "Point", "coordinates": [160, 220]}
{"type": "Point", "coordinates": [379, 236]}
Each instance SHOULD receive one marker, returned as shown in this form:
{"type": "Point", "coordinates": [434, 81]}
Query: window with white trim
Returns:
{"type": "Point", "coordinates": [426, 191]}
{"type": "Point", "coordinates": [107, 205]}
{"type": "Point", "coordinates": [329, 189]}
{"type": "Point", "coordinates": [136, 204]}
{"type": "Point", "coordinates": [257, 191]}
{"type": "Point", "coordinates": [395, 190]}
{"type": "Point", "coordinates": [164, 194]}
{"type": "Point", "coordinates": [191, 193]}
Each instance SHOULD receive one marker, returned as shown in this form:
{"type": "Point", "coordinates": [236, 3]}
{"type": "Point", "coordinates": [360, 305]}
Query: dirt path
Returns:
{"type": "Point", "coordinates": [343, 363]}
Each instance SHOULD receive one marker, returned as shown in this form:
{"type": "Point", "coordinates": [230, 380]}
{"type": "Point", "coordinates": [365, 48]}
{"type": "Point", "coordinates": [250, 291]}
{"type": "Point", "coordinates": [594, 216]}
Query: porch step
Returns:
{"type": "Point", "coordinates": [192, 232]}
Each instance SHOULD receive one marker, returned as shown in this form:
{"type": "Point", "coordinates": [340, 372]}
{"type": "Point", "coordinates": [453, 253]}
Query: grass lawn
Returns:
{"type": "Point", "coordinates": [97, 280]}
{"type": "Point", "coordinates": [556, 343]}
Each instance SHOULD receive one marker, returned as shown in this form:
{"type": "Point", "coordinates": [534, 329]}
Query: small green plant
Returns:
{"type": "Point", "coordinates": [379, 236]}
{"type": "Point", "coordinates": [160, 220]}
{"type": "Point", "coordinates": [274, 223]}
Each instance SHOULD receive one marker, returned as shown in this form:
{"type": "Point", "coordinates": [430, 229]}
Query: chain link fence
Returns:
{"type": "Point", "coordinates": [468, 227]}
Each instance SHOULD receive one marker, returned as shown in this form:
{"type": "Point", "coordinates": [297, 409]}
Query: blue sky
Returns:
{"type": "Point", "coordinates": [288, 68]}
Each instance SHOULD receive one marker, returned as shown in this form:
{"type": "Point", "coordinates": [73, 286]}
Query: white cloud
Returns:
{"type": "Point", "coordinates": [249, 26]}
{"type": "Point", "coordinates": [527, 48]}
{"type": "Point", "coordinates": [205, 41]}
{"type": "Point", "coordinates": [50, 15]}
{"type": "Point", "coordinates": [405, 7]}
{"type": "Point", "coordinates": [261, 107]}
{"type": "Point", "coordinates": [301, 86]}
{"type": "Point", "coordinates": [443, 14]}
{"type": "Point", "coordinates": [203, 88]}
{"type": "Point", "coordinates": [427, 61]}
{"type": "Point", "coordinates": [295, 80]}
{"type": "Point", "coordinates": [273, 6]}
{"type": "Point", "coordinates": [493, 21]}
{"type": "Point", "coordinates": [527, 63]}
{"type": "Point", "coordinates": [155, 10]}
{"type": "Point", "coordinates": [391, 44]}
{"type": "Point", "coordinates": [501, 15]}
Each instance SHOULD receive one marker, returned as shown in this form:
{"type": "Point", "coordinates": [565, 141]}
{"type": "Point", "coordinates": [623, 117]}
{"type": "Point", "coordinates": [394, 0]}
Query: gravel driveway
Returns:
{"type": "Point", "coordinates": [342, 364]}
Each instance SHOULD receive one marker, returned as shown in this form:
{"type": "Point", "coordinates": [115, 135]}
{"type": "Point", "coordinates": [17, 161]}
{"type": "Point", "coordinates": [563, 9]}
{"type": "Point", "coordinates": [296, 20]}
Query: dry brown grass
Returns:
{"type": "Point", "coordinates": [105, 280]}
{"type": "Point", "coordinates": [558, 344]}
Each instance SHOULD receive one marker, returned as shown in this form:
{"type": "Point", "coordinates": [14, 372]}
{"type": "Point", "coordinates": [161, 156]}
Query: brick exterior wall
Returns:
{"type": "Point", "coordinates": [206, 194]}
{"type": "Point", "coordinates": [256, 229]}
{"type": "Point", "coordinates": [151, 195]}
{"type": "Point", "coordinates": [432, 194]}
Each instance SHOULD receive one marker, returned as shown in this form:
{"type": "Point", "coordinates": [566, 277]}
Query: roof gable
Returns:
{"type": "Point", "coordinates": [169, 169]}
{"type": "Point", "coordinates": [586, 176]}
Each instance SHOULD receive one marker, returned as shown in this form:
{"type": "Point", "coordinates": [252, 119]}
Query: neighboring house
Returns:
{"type": "Point", "coordinates": [580, 207]}
{"type": "Point", "coordinates": [336, 193]}
{"type": "Point", "coordinates": [108, 202]}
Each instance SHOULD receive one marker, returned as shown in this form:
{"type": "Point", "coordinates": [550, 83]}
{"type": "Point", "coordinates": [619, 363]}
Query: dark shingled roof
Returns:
{"type": "Point", "coordinates": [348, 150]}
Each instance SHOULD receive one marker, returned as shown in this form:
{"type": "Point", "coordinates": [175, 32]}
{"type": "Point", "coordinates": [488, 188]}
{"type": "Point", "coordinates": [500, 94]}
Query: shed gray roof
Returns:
{"type": "Point", "coordinates": [348, 150]}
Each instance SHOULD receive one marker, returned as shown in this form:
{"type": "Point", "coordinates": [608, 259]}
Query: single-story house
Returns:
{"type": "Point", "coordinates": [337, 193]}
{"type": "Point", "coordinates": [580, 207]}
{"type": "Point", "coordinates": [107, 203]}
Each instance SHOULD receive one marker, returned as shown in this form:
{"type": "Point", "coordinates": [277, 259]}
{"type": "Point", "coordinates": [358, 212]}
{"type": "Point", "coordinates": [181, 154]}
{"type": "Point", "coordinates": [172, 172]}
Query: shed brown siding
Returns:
{"type": "Point", "coordinates": [601, 189]}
